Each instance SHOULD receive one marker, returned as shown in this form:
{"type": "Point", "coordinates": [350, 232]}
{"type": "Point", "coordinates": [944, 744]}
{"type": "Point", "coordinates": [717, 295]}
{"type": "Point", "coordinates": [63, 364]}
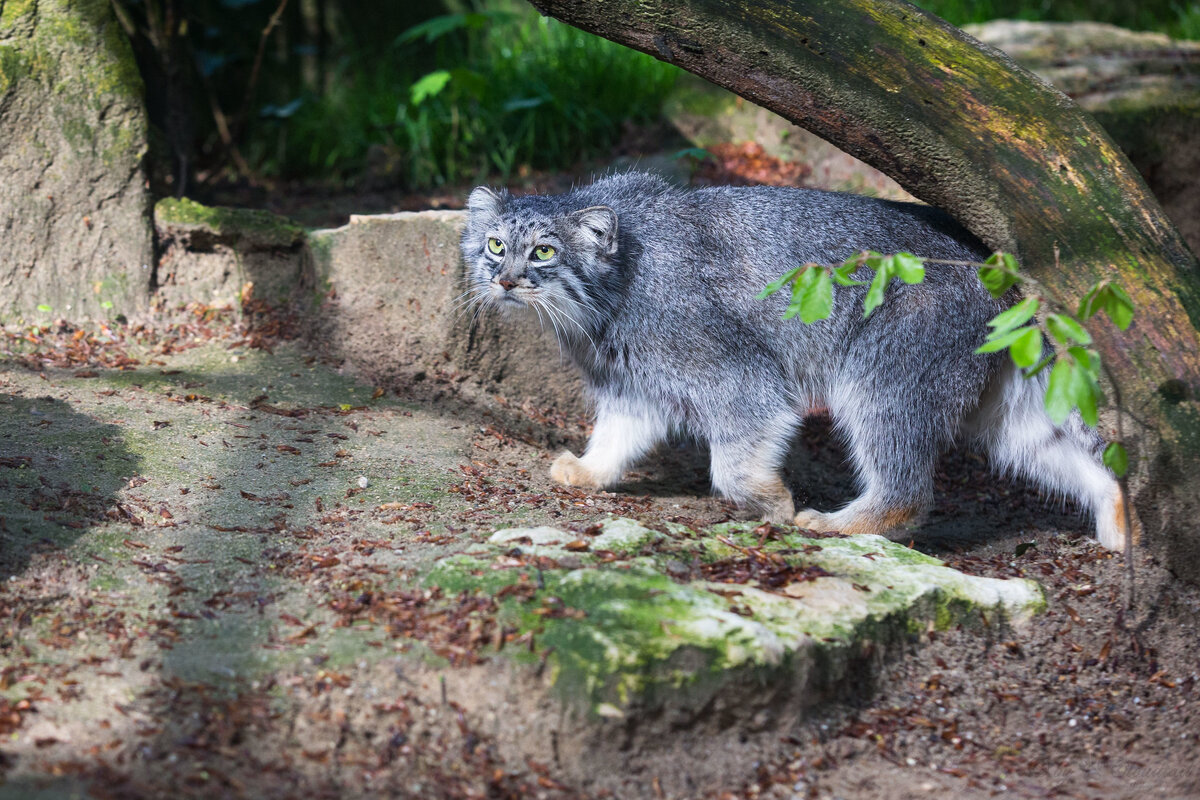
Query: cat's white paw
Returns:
{"type": "Point", "coordinates": [810, 519]}
{"type": "Point", "coordinates": [856, 519]}
{"type": "Point", "coordinates": [570, 471]}
{"type": "Point", "coordinates": [1111, 529]}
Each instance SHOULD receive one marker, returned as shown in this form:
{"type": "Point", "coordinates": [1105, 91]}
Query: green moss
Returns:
{"type": "Point", "coordinates": [262, 225]}
{"type": "Point", "coordinates": [106, 582]}
{"type": "Point", "coordinates": [13, 67]}
{"type": "Point", "coordinates": [623, 632]}
{"type": "Point", "coordinates": [12, 10]}
{"type": "Point", "coordinates": [78, 133]}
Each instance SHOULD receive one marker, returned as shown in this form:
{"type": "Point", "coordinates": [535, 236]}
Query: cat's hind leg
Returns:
{"type": "Point", "coordinates": [746, 465]}
{"type": "Point", "coordinates": [1020, 439]}
{"type": "Point", "coordinates": [893, 450]}
{"type": "Point", "coordinates": [624, 432]}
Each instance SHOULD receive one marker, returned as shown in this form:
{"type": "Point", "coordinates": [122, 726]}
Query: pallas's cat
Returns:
{"type": "Point", "coordinates": [651, 291]}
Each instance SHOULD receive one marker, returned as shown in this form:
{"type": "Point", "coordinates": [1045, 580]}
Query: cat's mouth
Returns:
{"type": "Point", "coordinates": [516, 296]}
{"type": "Point", "coordinates": [509, 297]}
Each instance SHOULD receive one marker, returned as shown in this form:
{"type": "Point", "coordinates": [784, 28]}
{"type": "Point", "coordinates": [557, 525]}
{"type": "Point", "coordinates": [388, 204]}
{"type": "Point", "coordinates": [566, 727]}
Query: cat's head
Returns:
{"type": "Point", "coordinates": [530, 252]}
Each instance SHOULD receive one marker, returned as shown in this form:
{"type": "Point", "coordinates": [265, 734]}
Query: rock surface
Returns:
{"type": "Point", "coordinates": [74, 207]}
{"type": "Point", "coordinates": [1144, 88]}
{"type": "Point", "coordinates": [210, 255]}
{"type": "Point", "coordinates": [707, 116]}
{"type": "Point", "coordinates": [637, 619]}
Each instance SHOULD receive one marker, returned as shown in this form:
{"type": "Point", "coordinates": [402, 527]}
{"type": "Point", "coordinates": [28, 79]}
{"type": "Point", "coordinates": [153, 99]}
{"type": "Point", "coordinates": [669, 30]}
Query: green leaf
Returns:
{"type": "Point", "coordinates": [883, 276]}
{"type": "Point", "coordinates": [437, 27]}
{"type": "Point", "coordinates": [1110, 298]}
{"type": "Point", "coordinates": [910, 268]}
{"type": "Point", "coordinates": [999, 341]}
{"type": "Point", "coordinates": [996, 281]}
{"type": "Point", "coordinates": [1006, 261]}
{"type": "Point", "coordinates": [1119, 306]}
{"type": "Point", "coordinates": [1026, 349]}
{"type": "Point", "coordinates": [1018, 315]}
{"type": "Point", "coordinates": [697, 153]}
{"type": "Point", "coordinates": [1087, 396]}
{"type": "Point", "coordinates": [812, 295]}
{"type": "Point", "coordinates": [1065, 329]}
{"type": "Point", "coordinates": [817, 302]}
{"type": "Point", "coordinates": [777, 284]}
{"type": "Point", "coordinates": [45, 309]}
{"type": "Point", "coordinates": [1073, 384]}
{"type": "Point", "coordinates": [841, 275]}
{"type": "Point", "coordinates": [429, 86]}
{"type": "Point", "coordinates": [1088, 305]}
{"type": "Point", "coordinates": [1087, 358]}
{"type": "Point", "coordinates": [1041, 365]}
{"type": "Point", "coordinates": [1116, 459]}
{"type": "Point", "coordinates": [999, 273]}
{"type": "Point", "coordinates": [1058, 392]}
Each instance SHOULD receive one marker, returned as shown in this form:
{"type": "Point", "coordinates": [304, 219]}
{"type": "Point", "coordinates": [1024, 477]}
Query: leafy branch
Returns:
{"type": "Point", "coordinates": [1074, 381]}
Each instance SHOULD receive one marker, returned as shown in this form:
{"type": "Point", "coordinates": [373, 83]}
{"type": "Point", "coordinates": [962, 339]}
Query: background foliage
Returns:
{"type": "Point", "coordinates": [1177, 18]}
{"type": "Point", "coordinates": [420, 93]}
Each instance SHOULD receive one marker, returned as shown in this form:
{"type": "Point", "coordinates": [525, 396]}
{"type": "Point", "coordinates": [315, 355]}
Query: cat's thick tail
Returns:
{"type": "Point", "coordinates": [1012, 426]}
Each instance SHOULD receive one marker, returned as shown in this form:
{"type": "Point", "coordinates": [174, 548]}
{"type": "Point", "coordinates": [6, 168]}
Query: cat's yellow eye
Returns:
{"type": "Point", "coordinates": [543, 252]}
{"type": "Point", "coordinates": [495, 246]}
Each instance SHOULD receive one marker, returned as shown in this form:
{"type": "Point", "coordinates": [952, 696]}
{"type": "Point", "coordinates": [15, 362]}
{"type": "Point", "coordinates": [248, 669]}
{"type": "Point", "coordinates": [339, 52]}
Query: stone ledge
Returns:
{"type": "Point", "coordinates": [633, 618]}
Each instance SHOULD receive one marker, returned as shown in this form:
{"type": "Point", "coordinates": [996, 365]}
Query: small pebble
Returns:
{"type": "Point", "coordinates": [363, 482]}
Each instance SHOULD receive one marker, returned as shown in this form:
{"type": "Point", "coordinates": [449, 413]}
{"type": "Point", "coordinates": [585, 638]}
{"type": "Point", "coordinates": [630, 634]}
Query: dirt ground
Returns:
{"type": "Point", "coordinates": [211, 542]}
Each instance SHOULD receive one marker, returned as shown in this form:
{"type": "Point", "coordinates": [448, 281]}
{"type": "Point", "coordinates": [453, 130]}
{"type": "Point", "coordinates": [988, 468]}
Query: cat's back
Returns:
{"type": "Point", "coordinates": [804, 224]}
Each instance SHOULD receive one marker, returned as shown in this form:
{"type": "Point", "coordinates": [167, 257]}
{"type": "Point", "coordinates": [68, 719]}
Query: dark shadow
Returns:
{"type": "Point", "coordinates": [60, 471]}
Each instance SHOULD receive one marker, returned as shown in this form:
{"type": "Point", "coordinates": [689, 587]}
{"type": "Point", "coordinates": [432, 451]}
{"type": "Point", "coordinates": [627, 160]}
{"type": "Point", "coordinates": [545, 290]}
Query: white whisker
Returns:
{"type": "Point", "coordinates": [537, 306]}
{"type": "Point", "coordinates": [473, 297]}
{"type": "Point", "coordinates": [565, 317]}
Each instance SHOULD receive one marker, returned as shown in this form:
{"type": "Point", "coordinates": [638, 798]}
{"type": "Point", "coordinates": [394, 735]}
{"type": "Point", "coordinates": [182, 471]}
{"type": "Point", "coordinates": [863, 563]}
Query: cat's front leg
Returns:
{"type": "Point", "coordinates": [623, 433]}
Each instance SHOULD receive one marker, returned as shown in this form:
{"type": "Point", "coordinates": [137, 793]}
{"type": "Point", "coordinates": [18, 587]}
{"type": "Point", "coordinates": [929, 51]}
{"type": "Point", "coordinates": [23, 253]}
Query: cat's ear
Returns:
{"type": "Point", "coordinates": [598, 224]}
{"type": "Point", "coordinates": [484, 201]}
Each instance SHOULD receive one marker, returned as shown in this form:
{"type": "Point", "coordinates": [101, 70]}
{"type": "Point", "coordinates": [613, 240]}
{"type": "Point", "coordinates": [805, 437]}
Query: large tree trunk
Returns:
{"type": "Point", "coordinates": [75, 233]}
{"type": "Point", "coordinates": [961, 126]}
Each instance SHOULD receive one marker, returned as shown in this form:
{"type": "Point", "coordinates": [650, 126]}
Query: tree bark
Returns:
{"type": "Point", "coordinates": [961, 126]}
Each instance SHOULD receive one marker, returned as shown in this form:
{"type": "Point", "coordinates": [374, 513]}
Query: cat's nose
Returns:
{"type": "Point", "coordinates": [507, 285]}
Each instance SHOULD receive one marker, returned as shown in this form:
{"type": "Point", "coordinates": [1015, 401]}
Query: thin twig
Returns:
{"type": "Point", "coordinates": [224, 132]}
{"type": "Point", "coordinates": [272, 23]}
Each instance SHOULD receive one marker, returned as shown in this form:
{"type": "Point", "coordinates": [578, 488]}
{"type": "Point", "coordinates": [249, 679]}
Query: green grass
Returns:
{"type": "Point", "coordinates": [498, 90]}
{"type": "Point", "coordinates": [1177, 18]}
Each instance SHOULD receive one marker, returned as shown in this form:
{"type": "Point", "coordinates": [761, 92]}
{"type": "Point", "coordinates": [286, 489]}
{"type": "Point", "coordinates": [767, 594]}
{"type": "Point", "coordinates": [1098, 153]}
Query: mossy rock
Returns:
{"type": "Point", "coordinates": [632, 617]}
{"type": "Point", "coordinates": [250, 227]}
{"type": "Point", "coordinates": [214, 254]}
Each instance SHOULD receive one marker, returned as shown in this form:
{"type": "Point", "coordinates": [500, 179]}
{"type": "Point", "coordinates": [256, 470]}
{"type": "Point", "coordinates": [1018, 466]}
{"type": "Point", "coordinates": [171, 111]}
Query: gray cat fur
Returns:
{"type": "Point", "coordinates": [652, 291]}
